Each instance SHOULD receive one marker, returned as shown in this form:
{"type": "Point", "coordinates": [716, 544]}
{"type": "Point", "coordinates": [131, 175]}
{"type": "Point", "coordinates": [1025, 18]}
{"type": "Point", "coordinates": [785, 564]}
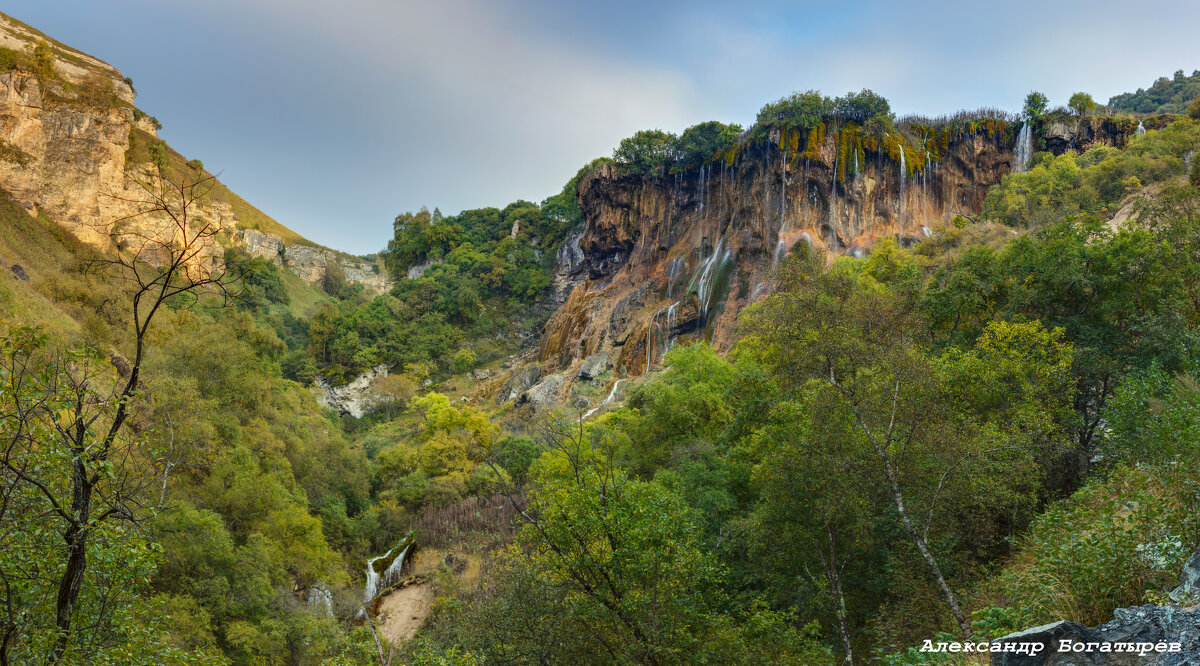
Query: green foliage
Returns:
{"type": "Point", "coordinates": [195, 164]}
{"type": "Point", "coordinates": [647, 153]}
{"type": "Point", "coordinates": [1094, 183]}
{"type": "Point", "coordinates": [158, 155]}
{"type": "Point", "coordinates": [699, 144]}
{"type": "Point", "coordinates": [1035, 106]}
{"type": "Point", "coordinates": [1166, 95]}
{"type": "Point", "coordinates": [1082, 104]}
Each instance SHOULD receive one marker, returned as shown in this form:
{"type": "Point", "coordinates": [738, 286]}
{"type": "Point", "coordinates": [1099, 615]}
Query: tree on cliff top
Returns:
{"type": "Point", "coordinates": [646, 153]}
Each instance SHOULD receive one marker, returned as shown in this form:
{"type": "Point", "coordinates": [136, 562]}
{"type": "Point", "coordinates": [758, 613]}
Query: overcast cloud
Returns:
{"type": "Point", "coordinates": [334, 117]}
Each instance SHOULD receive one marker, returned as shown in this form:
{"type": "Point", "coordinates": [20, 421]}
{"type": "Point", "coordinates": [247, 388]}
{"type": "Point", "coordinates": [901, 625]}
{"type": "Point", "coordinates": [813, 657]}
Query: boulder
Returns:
{"type": "Point", "coordinates": [544, 392]}
{"type": "Point", "coordinates": [594, 366]}
{"type": "Point", "coordinates": [1188, 591]}
{"type": "Point", "coordinates": [520, 381]}
{"type": "Point", "coordinates": [1149, 624]}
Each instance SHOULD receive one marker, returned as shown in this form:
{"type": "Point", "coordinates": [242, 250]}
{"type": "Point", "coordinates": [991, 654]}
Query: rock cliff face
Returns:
{"type": "Point", "coordinates": [677, 257]}
{"type": "Point", "coordinates": [63, 152]}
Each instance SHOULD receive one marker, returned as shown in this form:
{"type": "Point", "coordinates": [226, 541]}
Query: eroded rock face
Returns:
{"type": "Point", "coordinates": [355, 398]}
{"type": "Point", "coordinates": [677, 257]}
{"type": "Point", "coordinates": [544, 393]}
{"type": "Point", "coordinates": [517, 384]}
{"type": "Point", "coordinates": [66, 157]}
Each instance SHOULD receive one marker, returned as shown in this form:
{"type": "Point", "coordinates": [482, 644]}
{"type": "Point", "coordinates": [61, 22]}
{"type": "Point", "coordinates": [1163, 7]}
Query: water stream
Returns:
{"type": "Point", "coordinates": [607, 399]}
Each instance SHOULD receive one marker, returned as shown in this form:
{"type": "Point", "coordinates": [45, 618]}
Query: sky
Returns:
{"type": "Point", "coordinates": [334, 117]}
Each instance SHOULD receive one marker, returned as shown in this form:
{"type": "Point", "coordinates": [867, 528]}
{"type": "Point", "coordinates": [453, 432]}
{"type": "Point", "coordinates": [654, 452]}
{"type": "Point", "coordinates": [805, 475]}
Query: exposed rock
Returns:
{"type": "Point", "coordinates": [594, 366]}
{"type": "Point", "coordinates": [1081, 133]}
{"type": "Point", "coordinates": [520, 381]}
{"type": "Point", "coordinates": [355, 398]}
{"type": "Point", "coordinates": [455, 563]}
{"type": "Point", "coordinates": [709, 237]}
{"type": "Point", "coordinates": [1188, 591]}
{"type": "Point", "coordinates": [418, 269]}
{"type": "Point", "coordinates": [69, 163]}
{"type": "Point", "coordinates": [1153, 625]}
{"type": "Point", "coordinates": [480, 374]}
{"type": "Point", "coordinates": [19, 273]}
{"type": "Point", "coordinates": [544, 393]}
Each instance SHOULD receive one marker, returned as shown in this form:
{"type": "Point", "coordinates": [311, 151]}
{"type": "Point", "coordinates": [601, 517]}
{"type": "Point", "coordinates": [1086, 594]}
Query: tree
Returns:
{"type": "Point", "coordinates": [1035, 106]}
{"type": "Point", "coordinates": [71, 451]}
{"type": "Point", "coordinates": [1082, 104]}
{"type": "Point", "coordinates": [862, 106]}
{"type": "Point", "coordinates": [646, 153]}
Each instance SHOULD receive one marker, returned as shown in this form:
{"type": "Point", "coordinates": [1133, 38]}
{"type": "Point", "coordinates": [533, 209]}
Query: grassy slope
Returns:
{"type": "Point", "coordinates": [41, 248]}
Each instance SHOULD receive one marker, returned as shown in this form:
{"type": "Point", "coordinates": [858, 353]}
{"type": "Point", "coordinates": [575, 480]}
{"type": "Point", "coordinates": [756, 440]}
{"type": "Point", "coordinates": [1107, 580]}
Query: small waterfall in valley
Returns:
{"type": "Point", "coordinates": [391, 574]}
{"type": "Point", "coordinates": [611, 394]}
{"type": "Point", "coordinates": [1141, 129]}
{"type": "Point", "coordinates": [1024, 149]}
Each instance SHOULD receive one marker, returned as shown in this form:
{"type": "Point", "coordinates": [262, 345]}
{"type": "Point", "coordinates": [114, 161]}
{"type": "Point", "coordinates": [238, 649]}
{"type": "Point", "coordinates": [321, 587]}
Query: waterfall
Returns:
{"type": "Point", "coordinates": [319, 596]}
{"type": "Point", "coordinates": [704, 286]}
{"type": "Point", "coordinates": [672, 314]}
{"type": "Point", "coordinates": [780, 249]}
{"type": "Point", "coordinates": [672, 273]}
{"type": "Point", "coordinates": [665, 334]}
{"type": "Point", "coordinates": [1024, 148]}
{"type": "Point", "coordinates": [783, 189]}
{"type": "Point", "coordinates": [1141, 129]}
{"type": "Point", "coordinates": [372, 587]}
{"type": "Point", "coordinates": [390, 575]}
{"type": "Point", "coordinates": [607, 400]}
{"type": "Point", "coordinates": [833, 183]}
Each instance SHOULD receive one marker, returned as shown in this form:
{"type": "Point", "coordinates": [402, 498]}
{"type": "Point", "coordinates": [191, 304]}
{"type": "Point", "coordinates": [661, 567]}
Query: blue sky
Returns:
{"type": "Point", "coordinates": [335, 116]}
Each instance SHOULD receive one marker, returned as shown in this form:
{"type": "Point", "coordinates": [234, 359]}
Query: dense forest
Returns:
{"type": "Point", "coordinates": [986, 430]}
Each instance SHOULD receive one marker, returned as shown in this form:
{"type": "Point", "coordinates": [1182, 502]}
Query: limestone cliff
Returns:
{"type": "Point", "coordinates": [66, 134]}
{"type": "Point", "coordinates": [677, 256]}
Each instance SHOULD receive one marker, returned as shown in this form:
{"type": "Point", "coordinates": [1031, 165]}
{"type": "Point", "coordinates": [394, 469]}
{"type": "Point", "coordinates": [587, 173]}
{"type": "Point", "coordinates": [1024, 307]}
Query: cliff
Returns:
{"type": "Point", "coordinates": [678, 256]}
{"type": "Point", "coordinates": [72, 143]}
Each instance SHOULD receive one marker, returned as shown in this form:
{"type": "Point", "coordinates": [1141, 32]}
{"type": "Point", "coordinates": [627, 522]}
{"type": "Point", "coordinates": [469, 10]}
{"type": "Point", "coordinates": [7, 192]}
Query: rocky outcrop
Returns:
{"type": "Point", "coordinates": [521, 380]}
{"type": "Point", "coordinates": [1142, 635]}
{"type": "Point", "coordinates": [544, 393]}
{"type": "Point", "coordinates": [355, 398]}
{"type": "Point", "coordinates": [63, 153]}
{"type": "Point", "coordinates": [677, 257]}
{"type": "Point", "coordinates": [1081, 133]}
{"type": "Point", "coordinates": [309, 262]}
{"type": "Point", "coordinates": [594, 366]}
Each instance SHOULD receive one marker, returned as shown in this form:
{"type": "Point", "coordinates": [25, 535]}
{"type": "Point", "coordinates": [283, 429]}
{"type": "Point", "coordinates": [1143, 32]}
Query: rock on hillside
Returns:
{"type": "Point", "coordinates": [1154, 626]}
{"type": "Point", "coordinates": [65, 149]}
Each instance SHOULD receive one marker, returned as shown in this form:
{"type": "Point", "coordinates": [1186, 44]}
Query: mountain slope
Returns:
{"type": "Point", "coordinates": [72, 140]}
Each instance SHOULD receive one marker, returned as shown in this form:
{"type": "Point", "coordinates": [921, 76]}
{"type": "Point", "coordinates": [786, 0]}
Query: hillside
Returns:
{"type": "Point", "coordinates": [819, 390]}
{"type": "Point", "coordinates": [72, 139]}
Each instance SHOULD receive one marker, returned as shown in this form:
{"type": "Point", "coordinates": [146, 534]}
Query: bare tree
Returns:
{"type": "Point", "coordinates": [79, 408]}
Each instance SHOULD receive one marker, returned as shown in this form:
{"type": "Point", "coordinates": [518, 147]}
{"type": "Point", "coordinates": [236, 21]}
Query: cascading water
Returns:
{"type": "Point", "coordinates": [390, 575]}
{"type": "Point", "coordinates": [705, 282]}
{"type": "Point", "coordinates": [672, 315]}
{"type": "Point", "coordinates": [1024, 149]}
{"type": "Point", "coordinates": [372, 586]}
{"type": "Point", "coordinates": [607, 399]}
{"type": "Point", "coordinates": [1141, 129]}
{"type": "Point", "coordinates": [663, 334]}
